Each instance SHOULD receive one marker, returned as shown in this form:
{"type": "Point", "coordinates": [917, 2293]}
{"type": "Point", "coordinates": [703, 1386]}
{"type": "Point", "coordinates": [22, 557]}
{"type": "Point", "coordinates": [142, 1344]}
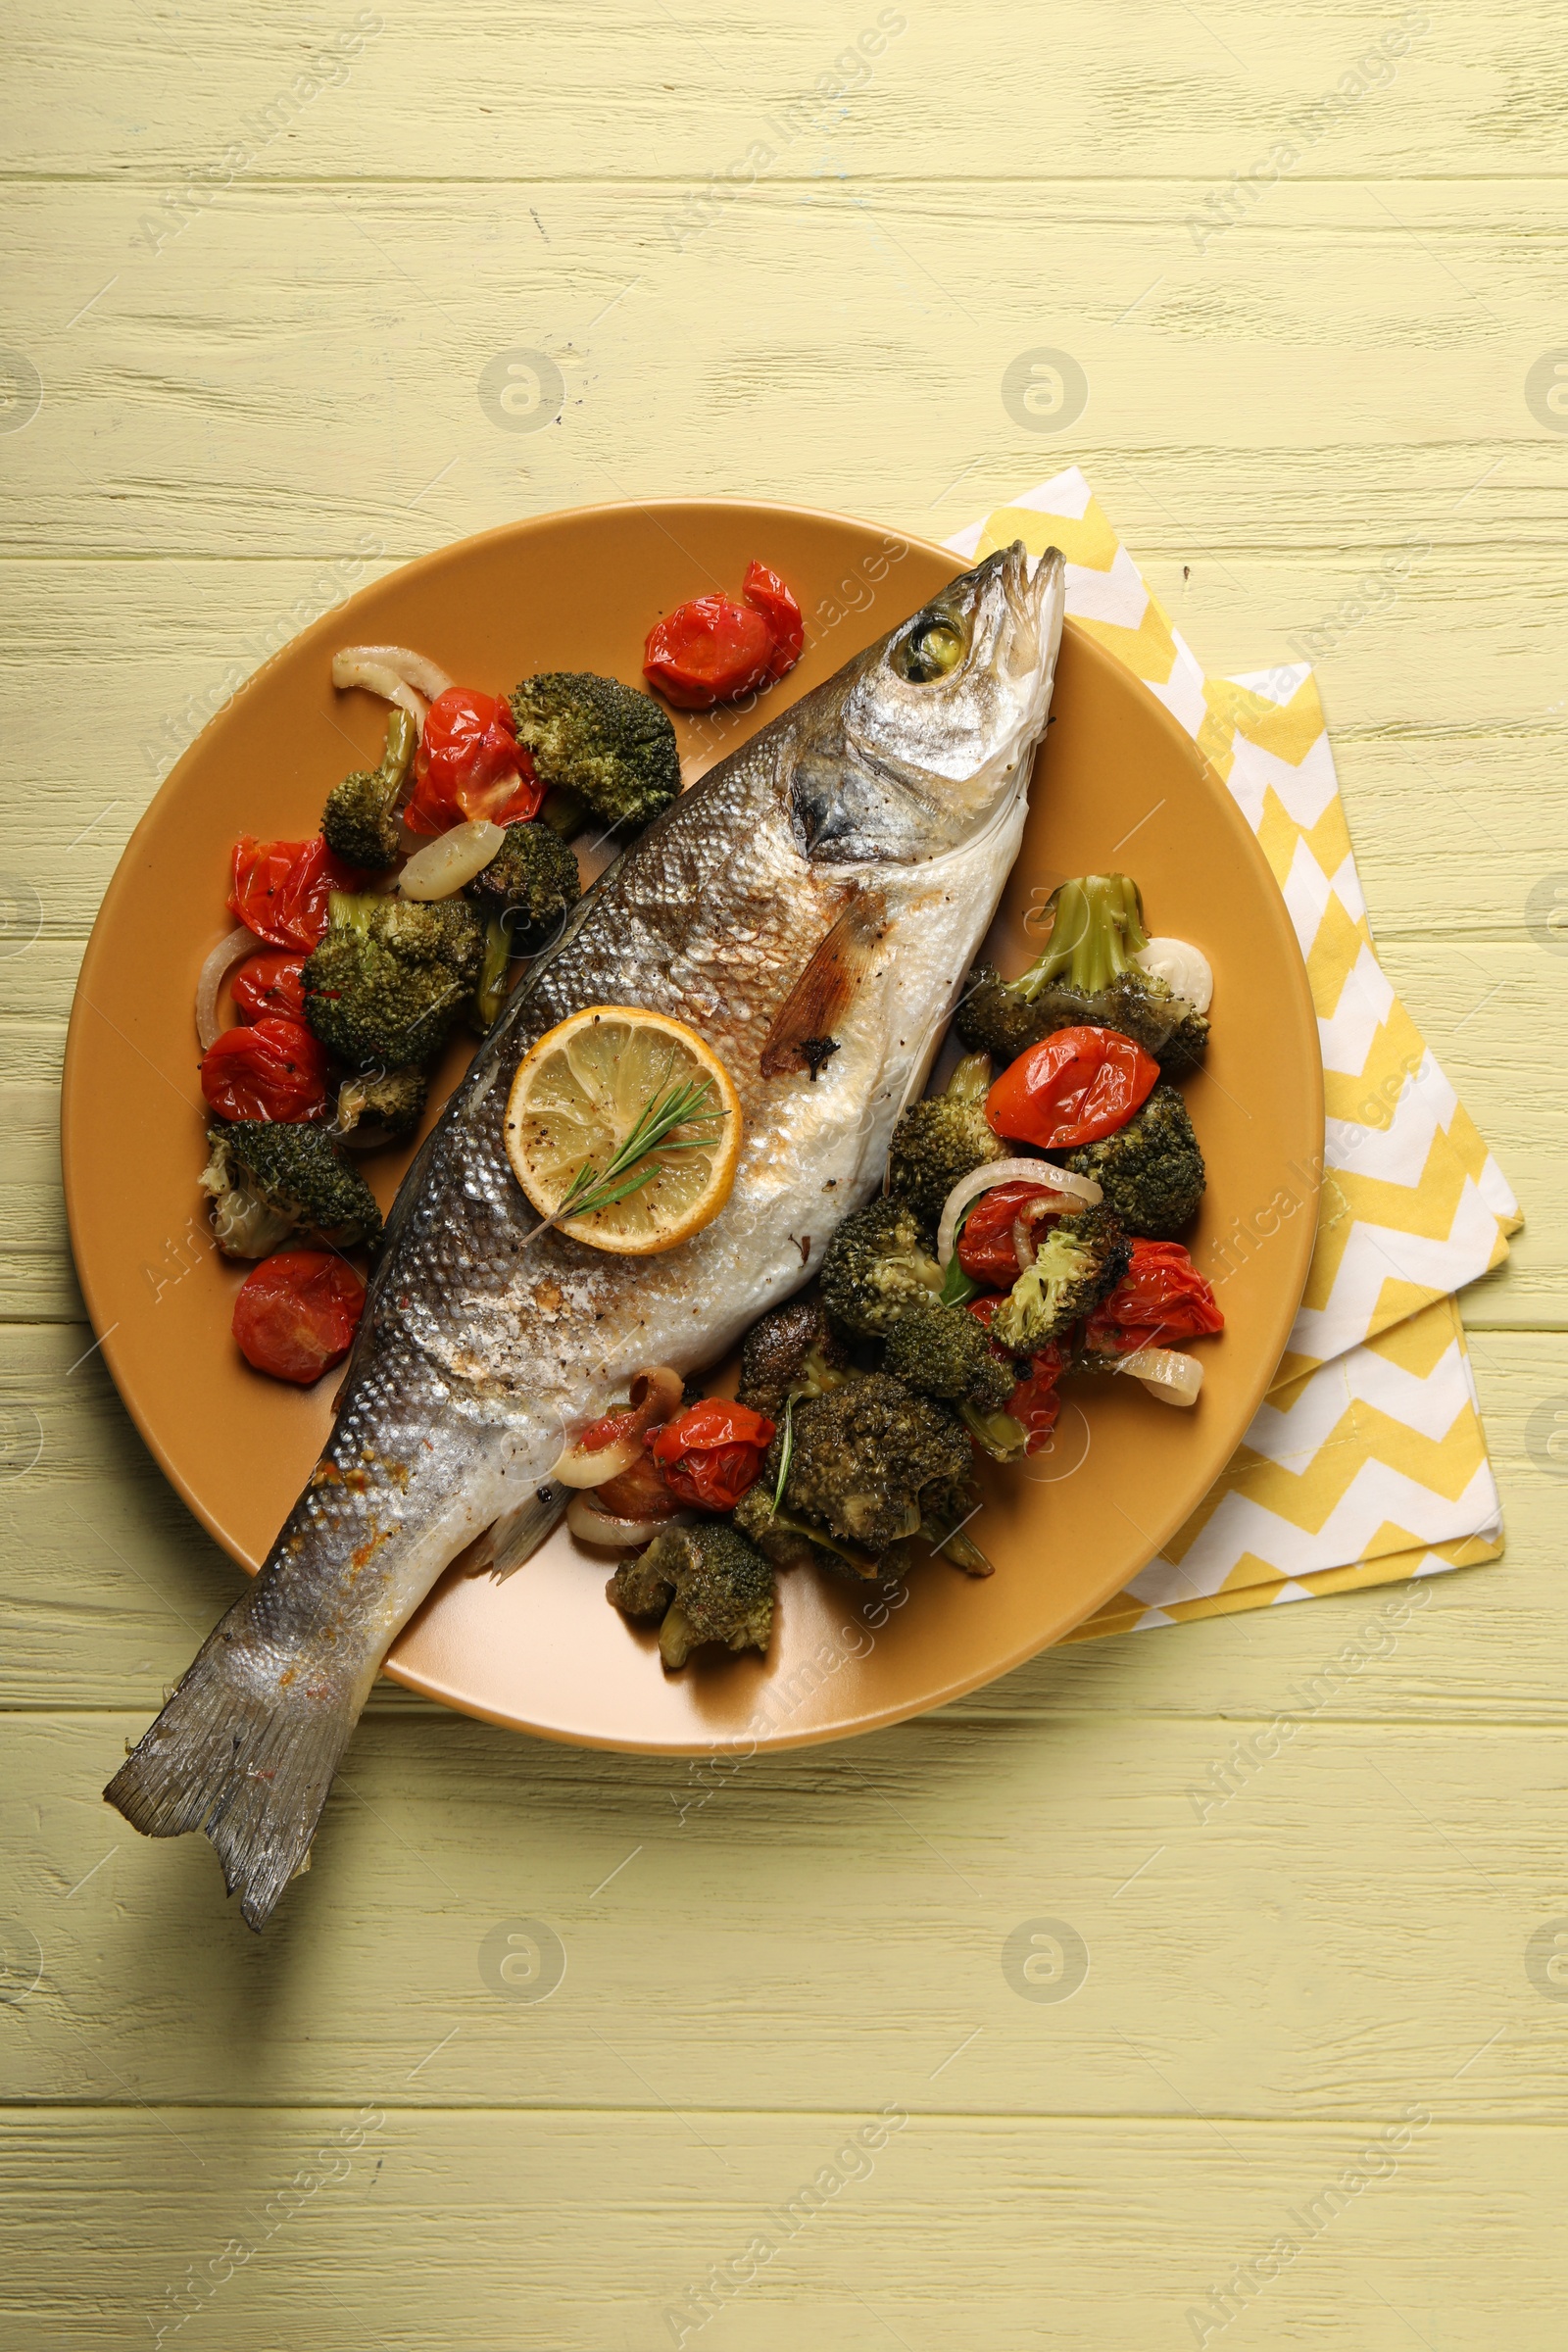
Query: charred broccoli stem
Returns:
{"type": "Point", "coordinates": [389, 977]}
{"type": "Point", "coordinates": [565, 813]}
{"type": "Point", "coordinates": [1151, 1170]}
{"type": "Point", "coordinates": [1080, 1262]}
{"type": "Point", "coordinates": [532, 881]}
{"type": "Point", "coordinates": [358, 819]}
{"type": "Point", "coordinates": [490, 989]}
{"type": "Point", "coordinates": [608, 744]}
{"type": "Point", "coordinates": [790, 1542]}
{"type": "Point", "coordinates": [270, 1182]}
{"type": "Point", "coordinates": [939, 1141]}
{"type": "Point", "coordinates": [1087, 974]}
{"type": "Point", "coordinates": [997, 1434]}
{"type": "Point", "coordinates": [391, 1100]}
{"type": "Point", "coordinates": [943, 1351]}
{"type": "Point", "coordinates": [878, 1266]}
{"type": "Point", "coordinates": [792, 1351]}
{"type": "Point", "coordinates": [704, 1584]}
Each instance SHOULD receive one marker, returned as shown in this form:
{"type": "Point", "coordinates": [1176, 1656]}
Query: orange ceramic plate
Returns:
{"type": "Point", "coordinates": [545, 1652]}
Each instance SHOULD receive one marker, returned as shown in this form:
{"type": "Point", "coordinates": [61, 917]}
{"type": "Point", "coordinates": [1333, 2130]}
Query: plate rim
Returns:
{"type": "Point", "coordinates": [1304, 1235]}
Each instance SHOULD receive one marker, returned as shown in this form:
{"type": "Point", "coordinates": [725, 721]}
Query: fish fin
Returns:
{"type": "Point", "coordinates": [801, 1035]}
{"type": "Point", "coordinates": [517, 1534]}
{"type": "Point", "coordinates": [245, 1753]}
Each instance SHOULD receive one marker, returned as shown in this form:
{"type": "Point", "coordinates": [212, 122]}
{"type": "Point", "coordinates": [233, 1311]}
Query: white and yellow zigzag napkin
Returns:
{"type": "Point", "coordinates": [1366, 1463]}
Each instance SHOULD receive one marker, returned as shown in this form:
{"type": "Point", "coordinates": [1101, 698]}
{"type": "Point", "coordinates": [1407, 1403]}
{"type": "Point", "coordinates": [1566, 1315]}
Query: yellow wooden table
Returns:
{"type": "Point", "coordinates": [291, 289]}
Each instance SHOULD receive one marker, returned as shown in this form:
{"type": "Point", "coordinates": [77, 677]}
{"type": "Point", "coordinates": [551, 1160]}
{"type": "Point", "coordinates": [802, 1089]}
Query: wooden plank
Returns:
{"type": "Point", "coordinates": [170, 423]}
{"type": "Point", "coordinates": [568, 2232]}
{"type": "Point", "coordinates": [1274, 1962]}
{"type": "Point", "coordinates": [691, 93]}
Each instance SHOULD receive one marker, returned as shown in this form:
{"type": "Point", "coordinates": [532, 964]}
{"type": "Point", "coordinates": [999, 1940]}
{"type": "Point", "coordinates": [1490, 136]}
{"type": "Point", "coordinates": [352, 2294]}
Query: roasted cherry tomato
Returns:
{"type": "Point", "coordinates": [707, 652]}
{"type": "Point", "coordinates": [1072, 1088]}
{"type": "Point", "coordinates": [986, 1250]}
{"type": "Point", "coordinates": [283, 888]}
{"type": "Point", "coordinates": [764, 590]}
{"type": "Point", "coordinates": [1034, 1400]}
{"type": "Point", "coordinates": [269, 984]}
{"type": "Point", "coordinates": [711, 1452]}
{"type": "Point", "coordinates": [297, 1313]}
{"type": "Point", "coordinates": [469, 765]}
{"type": "Point", "coordinates": [1160, 1302]}
{"type": "Point", "coordinates": [272, 1069]}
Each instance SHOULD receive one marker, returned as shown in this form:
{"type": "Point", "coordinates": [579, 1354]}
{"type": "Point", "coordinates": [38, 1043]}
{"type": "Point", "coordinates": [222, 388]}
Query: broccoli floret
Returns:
{"type": "Point", "coordinates": [532, 881]}
{"type": "Point", "coordinates": [271, 1181]}
{"type": "Point", "coordinates": [358, 819]}
{"type": "Point", "coordinates": [612, 747]}
{"type": "Point", "coordinates": [443, 931]}
{"type": "Point", "coordinates": [943, 1351]}
{"type": "Point", "coordinates": [706, 1583]}
{"type": "Point", "coordinates": [1087, 974]}
{"type": "Point", "coordinates": [938, 1142]}
{"type": "Point", "coordinates": [389, 1099]}
{"type": "Point", "coordinates": [877, 1266]}
{"type": "Point", "coordinates": [792, 1351]}
{"type": "Point", "coordinates": [1081, 1261]}
{"type": "Point", "coordinates": [388, 978]}
{"type": "Point", "coordinates": [1151, 1170]}
{"type": "Point", "coordinates": [869, 1462]}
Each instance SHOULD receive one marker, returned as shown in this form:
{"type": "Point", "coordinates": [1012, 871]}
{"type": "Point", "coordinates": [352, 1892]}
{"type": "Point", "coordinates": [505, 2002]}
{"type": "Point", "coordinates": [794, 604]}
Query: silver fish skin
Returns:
{"type": "Point", "coordinates": [483, 1350]}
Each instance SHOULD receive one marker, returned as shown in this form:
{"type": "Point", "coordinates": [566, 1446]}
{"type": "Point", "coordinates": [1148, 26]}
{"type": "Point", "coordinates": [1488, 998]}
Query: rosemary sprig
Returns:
{"type": "Point", "coordinates": [785, 1454]}
{"type": "Point", "coordinates": [632, 1165]}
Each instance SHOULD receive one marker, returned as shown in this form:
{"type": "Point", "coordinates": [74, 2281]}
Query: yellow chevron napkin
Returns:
{"type": "Point", "coordinates": [1366, 1463]}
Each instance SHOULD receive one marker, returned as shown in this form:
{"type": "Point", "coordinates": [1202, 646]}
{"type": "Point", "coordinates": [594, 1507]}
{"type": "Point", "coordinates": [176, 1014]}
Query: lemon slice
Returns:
{"type": "Point", "coordinates": [572, 1121]}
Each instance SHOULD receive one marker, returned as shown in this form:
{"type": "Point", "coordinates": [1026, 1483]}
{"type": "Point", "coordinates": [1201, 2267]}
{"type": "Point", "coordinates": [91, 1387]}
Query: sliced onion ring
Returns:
{"type": "Point", "coordinates": [215, 971]}
{"type": "Point", "coordinates": [426, 677]}
{"type": "Point", "coordinates": [1007, 1171]}
{"type": "Point", "coordinates": [1174, 1378]}
{"type": "Point", "coordinates": [1185, 970]}
{"type": "Point", "coordinates": [350, 668]}
{"type": "Point", "coordinates": [1055, 1204]}
{"type": "Point", "coordinates": [590, 1526]}
{"type": "Point", "coordinates": [654, 1396]}
{"type": "Point", "coordinates": [441, 869]}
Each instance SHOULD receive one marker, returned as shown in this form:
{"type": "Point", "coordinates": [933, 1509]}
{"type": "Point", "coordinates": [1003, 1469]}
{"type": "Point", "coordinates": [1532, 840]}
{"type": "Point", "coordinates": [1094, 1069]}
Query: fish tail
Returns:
{"type": "Point", "coordinates": [245, 1750]}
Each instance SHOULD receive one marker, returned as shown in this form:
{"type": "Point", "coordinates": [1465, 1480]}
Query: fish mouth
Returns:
{"type": "Point", "coordinates": [1033, 594]}
{"type": "Point", "coordinates": [1035, 590]}
{"type": "Point", "coordinates": [1026, 638]}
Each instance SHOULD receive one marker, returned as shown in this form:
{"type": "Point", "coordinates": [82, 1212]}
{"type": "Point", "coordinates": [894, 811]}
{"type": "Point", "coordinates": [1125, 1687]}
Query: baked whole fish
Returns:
{"type": "Point", "coordinates": [810, 908]}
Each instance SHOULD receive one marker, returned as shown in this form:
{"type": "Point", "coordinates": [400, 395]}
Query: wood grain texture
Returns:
{"type": "Point", "coordinates": [258, 312]}
{"type": "Point", "coordinates": [560, 2232]}
{"type": "Point", "coordinates": [627, 92]}
{"type": "Point", "coordinates": [1341, 1936]}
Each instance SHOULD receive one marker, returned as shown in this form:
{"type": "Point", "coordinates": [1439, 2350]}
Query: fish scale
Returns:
{"type": "Point", "coordinates": [485, 1347]}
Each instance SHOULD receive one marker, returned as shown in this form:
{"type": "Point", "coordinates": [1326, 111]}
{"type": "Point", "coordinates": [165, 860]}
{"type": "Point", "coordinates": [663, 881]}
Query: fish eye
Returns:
{"type": "Point", "coordinates": [932, 649]}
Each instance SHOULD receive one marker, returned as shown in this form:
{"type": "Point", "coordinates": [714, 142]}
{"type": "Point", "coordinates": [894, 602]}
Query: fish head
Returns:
{"type": "Point", "coordinates": [924, 742]}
